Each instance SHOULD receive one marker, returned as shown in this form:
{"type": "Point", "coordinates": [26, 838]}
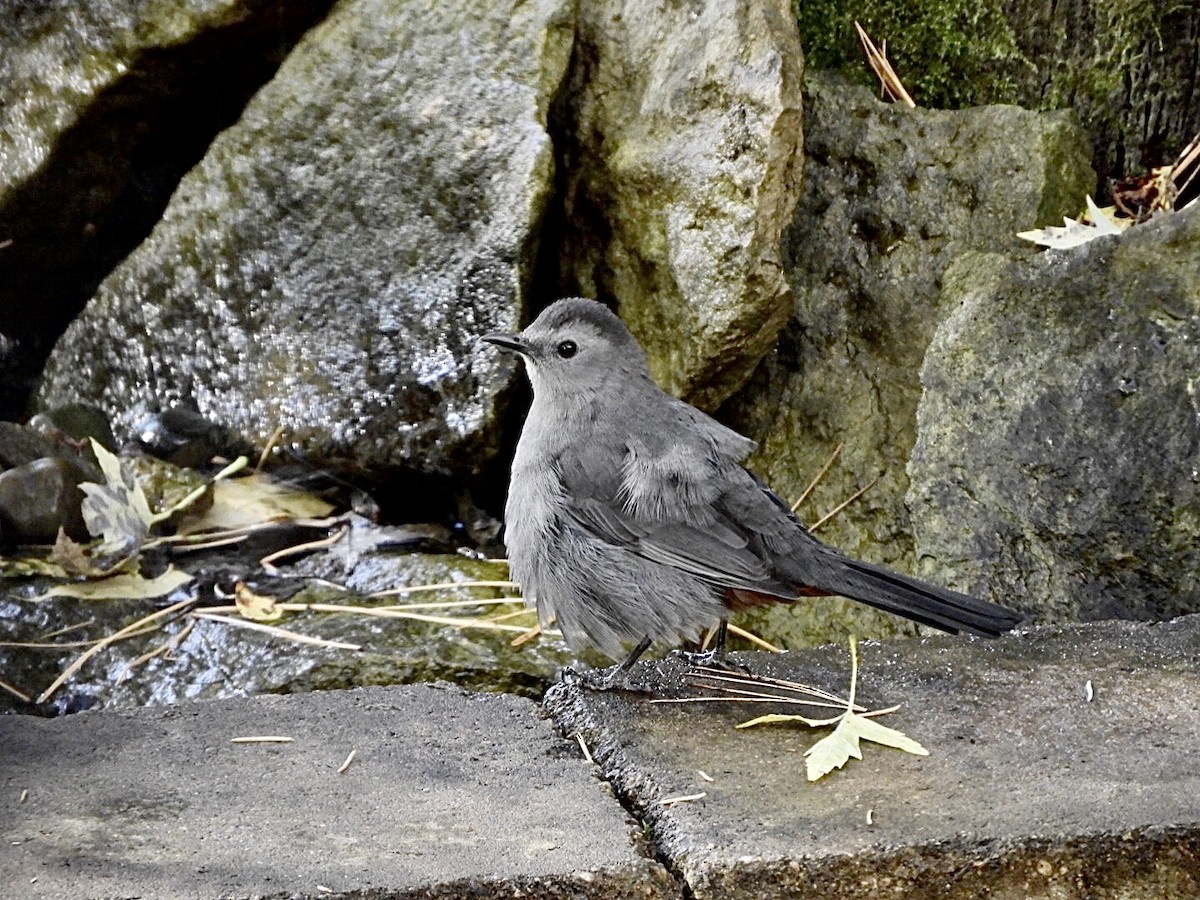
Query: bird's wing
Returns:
{"type": "Point", "coordinates": [663, 498]}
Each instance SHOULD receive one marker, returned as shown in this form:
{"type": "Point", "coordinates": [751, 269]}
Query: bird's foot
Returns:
{"type": "Point", "coordinates": [711, 659]}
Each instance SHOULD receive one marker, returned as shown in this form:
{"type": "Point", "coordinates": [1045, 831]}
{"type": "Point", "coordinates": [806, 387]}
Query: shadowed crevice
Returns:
{"type": "Point", "coordinates": [111, 174]}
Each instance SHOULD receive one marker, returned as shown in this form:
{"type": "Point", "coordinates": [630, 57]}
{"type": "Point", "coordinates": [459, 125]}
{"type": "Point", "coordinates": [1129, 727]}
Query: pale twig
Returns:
{"type": "Point", "coordinates": [1187, 166]}
{"type": "Point", "coordinates": [515, 614]}
{"type": "Point", "coordinates": [16, 692]}
{"type": "Point", "coordinates": [268, 561]}
{"type": "Point", "coordinates": [888, 79]}
{"type": "Point", "coordinates": [754, 639]}
{"type": "Point", "coordinates": [837, 509]}
{"type": "Point", "coordinates": [270, 445]}
{"type": "Point", "coordinates": [277, 632]}
{"type": "Point", "coordinates": [71, 645]}
{"type": "Point", "coordinates": [204, 540]}
{"type": "Point", "coordinates": [67, 629]}
{"type": "Point", "coordinates": [524, 637]}
{"type": "Point", "coordinates": [111, 639]}
{"type": "Point", "coordinates": [345, 767]}
{"type": "Point", "coordinates": [262, 739]}
{"type": "Point", "coordinates": [587, 754]}
{"type": "Point", "coordinates": [686, 798]}
{"type": "Point", "coordinates": [817, 478]}
{"type": "Point", "coordinates": [236, 466]}
{"type": "Point", "coordinates": [167, 646]}
{"type": "Point", "coordinates": [442, 586]}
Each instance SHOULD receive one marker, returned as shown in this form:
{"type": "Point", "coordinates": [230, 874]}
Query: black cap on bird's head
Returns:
{"type": "Point", "coordinates": [574, 342]}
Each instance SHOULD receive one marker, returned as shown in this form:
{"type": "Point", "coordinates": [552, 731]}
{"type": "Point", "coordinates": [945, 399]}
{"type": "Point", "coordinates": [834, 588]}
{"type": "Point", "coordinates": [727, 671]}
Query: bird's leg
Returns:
{"type": "Point", "coordinates": [606, 679]}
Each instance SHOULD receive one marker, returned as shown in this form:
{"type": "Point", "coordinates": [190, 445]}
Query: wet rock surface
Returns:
{"type": "Point", "coordinates": [1057, 452]}
{"type": "Point", "coordinates": [329, 265]}
{"type": "Point", "coordinates": [103, 107]}
{"type": "Point", "coordinates": [681, 157]}
{"type": "Point", "coordinates": [444, 635]}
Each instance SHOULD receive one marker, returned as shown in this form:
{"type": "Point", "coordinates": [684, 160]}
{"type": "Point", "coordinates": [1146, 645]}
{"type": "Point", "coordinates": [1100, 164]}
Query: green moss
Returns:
{"type": "Point", "coordinates": [948, 53]}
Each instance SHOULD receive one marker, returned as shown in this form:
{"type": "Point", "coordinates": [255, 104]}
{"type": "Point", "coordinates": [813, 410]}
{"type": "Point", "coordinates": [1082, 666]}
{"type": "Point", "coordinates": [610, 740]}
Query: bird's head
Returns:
{"type": "Point", "coordinates": [575, 345]}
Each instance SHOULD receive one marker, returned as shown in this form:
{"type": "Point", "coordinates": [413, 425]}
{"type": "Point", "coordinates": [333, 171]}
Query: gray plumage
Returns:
{"type": "Point", "coordinates": [630, 516]}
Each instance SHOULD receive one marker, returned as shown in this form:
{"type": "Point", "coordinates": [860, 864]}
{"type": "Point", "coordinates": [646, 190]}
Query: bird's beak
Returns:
{"type": "Point", "coordinates": [506, 341]}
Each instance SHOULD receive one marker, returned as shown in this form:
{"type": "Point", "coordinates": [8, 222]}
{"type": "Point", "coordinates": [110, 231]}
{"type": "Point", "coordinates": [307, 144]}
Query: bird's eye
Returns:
{"type": "Point", "coordinates": [567, 349]}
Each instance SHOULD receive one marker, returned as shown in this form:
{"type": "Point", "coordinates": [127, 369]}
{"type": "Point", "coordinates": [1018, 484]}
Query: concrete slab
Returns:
{"type": "Point", "coordinates": [450, 794]}
{"type": "Point", "coordinates": [1031, 790]}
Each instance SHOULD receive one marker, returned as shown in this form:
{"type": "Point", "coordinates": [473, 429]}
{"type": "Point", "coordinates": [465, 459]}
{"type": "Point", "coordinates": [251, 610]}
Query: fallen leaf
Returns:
{"type": "Point", "coordinates": [116, 511]}
{"type": "Point", "coordinates": [256, 607]}
{"type": "Point", "coordinates": [125, 586]}
{"type": "Point", "coordinates": [253, 500]}
{"type": "Point", "coordinates": [834, 750]}
{"type": "Point", "coordinates": [1096, 222]}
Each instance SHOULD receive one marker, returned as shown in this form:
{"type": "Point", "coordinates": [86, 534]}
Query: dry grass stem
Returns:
{"type": "Point", "coordinates": [268, 561]}
{"type": "Point", "coordinates": [236, 466]}
{"type": "Point", "coordinates": [270, 445]}
{"type": "Point", "coordinates": [15, 691]}
{"type": "Point", "coordinates": [587, 754]}
{"type": "Point", "coordinates": [166, 647]}
{"type": "Point", "coordinates": [1186, 167]}
{"type": "Point", "coordinates": [515, 614]}
{"type": "Point", "coordinates": [263, 739]}
{"type": "Point", "coordinates": [837, 509]}
{"type": "Point", "coordinates": [817, 478]}
{"type": "Point", "coordinates": [889, 81]}
{"type": "Point", "coordinates": [345, 767]}
{"type": "Point", "coordinates": [526, 636]}
{"type": "Point", "coordinates": [277, 632]}
{"type": "Point", "coordinates": [72, 645]}
{"type": "Point", "coordinates": [754, 639]}
{"type": "Point", "coordinates": [67, 629]}
{"type": "Point", "coordinates": [125, 632]}
{"type": "Point", "coordinates": [442, 586]}
{"type": "Point", "coordinates": [685, 798]}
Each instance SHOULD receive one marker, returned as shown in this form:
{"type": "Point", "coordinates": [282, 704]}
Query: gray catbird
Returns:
{"type": "Point", "coordinates": [630, 519]}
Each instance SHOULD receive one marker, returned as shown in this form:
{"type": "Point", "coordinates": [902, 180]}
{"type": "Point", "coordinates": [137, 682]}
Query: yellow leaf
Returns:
{"type": "Point", "coordinates": [125, 586]}
{"type": "Point", "coordinates": [253, 500]}
{"type": "Point", "coordinates": [256, 607]}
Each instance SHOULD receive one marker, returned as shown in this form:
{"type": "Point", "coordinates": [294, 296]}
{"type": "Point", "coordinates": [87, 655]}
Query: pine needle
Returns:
{"type": "Point", "coordinates": [889, 81]}
{"type": "Point", "coordinates": [125, 632]}
{"type": "Point", "coordinates": [817, 478]}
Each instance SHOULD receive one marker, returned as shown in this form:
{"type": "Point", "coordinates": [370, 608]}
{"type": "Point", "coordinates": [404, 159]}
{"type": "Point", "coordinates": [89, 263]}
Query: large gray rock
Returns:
{"type": "Point", "coordinates": [104, 105]}
{"type": "Point", "coordinates": [330, 263]}
{"type": "Point", "coordinates": [891, 197]}
{"type": "Point", "coordinates": [682, 149]}
{"type": "Point", "coordinates": [1059, 434]}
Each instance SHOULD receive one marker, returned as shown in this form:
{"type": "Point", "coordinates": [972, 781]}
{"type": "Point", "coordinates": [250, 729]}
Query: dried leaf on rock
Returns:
{"type": "Point", "coordinates": [254, 606]}
{"type": "Point", "coordinates": [1096, 222]}
{"type": "Point", "coordinates": [116, 511]}
{"type": "Point", "coordinates": [834, 750]}
{"type": "Point", "coordinates": [125, 586]}
{"type": "Point", "coordinates": [254, 499]}
{"type": "Point", "coordinates": [74, 560]}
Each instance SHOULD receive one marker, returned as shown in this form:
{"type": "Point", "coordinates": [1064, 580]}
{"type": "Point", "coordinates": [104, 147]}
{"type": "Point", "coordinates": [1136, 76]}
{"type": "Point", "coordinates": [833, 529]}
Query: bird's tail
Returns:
{"type": "Point", "coordinates": [918, 600]}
